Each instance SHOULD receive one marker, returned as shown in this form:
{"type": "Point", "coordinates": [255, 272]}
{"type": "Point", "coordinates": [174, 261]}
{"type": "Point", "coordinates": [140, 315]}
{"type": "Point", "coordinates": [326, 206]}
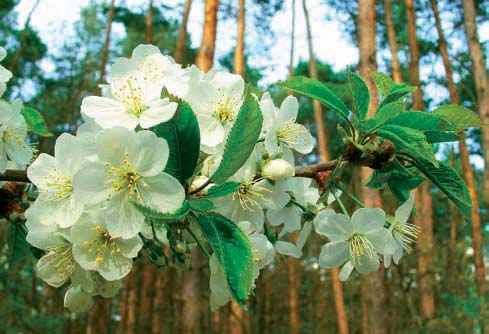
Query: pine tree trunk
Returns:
{"type": "Point", "coordinates": [159, 300]}
{"type": "Point", "coordinates": [239, 53]}
{"type": "Point", "coordinates": [468, 172]}
{"type": "Point", "coordinates": [205, 56]}
{"type": "Point", "coordinates": [132, 300]}
{"type": "Point", "coordinates": [424, 203]}
{"type": "Point", "coordinates": [292, 44]}
{"type": "Point", "coordinates": [482, 90]}
{"type": "Point", "coordinates": [105, 50]}
{"type": "Point", "coordinates": [322, 138]}
{"type": "Point", "coordinates": [293, 296]}
{"type": "Point", "coordinates": [374, 295]}
{"type": "Point", "coordinates": [149, 23]}
{"type": "Point", "coordinates": [190, 316]}
{"type": "Point", "coordinates": [391, 36]}
{"type": "Point", "coordinates": [147, 294]}
{"type": "Point", "coordinates": [179, 54]}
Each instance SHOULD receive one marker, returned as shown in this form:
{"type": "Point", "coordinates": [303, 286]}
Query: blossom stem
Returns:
{"type": "Point", "coordinates": [353, 197]}
{"type": "Point", "coordinates": [340, 203]}
{"type": "Point", "coordinates": [204, 250]}
{"type": "Point", "coordinates": [299, 205]}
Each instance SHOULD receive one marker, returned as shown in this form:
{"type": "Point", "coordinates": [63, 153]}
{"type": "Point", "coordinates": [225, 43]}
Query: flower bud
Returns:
{"type": "Point", "coordinates": [278, 169]}
{"type": "Point", "coordinates": [198, 182]}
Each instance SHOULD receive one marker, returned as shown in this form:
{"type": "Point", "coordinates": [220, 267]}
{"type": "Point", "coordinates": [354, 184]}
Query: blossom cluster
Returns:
{"type": "Point", "coordinates": [14, 149]}
{"type": "Point", "coordinates": [86, 215]}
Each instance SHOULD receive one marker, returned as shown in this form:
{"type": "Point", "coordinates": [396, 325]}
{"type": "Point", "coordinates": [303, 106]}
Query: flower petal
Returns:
{"type": "Point", "coordinates": [158, 111]}
{"type": "Point", "coordinates": [147, 153]}
{"type": "Point", "coordinates": [334, 254]}
{"type": "Point", "coordinates": [404, 211]}
{"type": "Point", "coordinates": [366, 220]}
{"type": "Point", "coordinates": [89, 182]}
{"type": "Point", "coordinates": [163, 193]}
{"type": "Point", "coordinates": [335, 226]}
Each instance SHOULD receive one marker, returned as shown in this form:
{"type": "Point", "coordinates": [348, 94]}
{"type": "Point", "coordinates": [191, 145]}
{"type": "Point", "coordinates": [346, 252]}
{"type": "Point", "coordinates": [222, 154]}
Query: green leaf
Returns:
{"type": "Point", "coordinates": [16, 242]}
{"type": "Point", "coordinates": [434, 137]}
{"type": "Point", "coordinates": [201, 204]}
{"type": "Point", "coordinates": [316, 90]}
{"type": "Point", "coordinates": [233, 250]}
{"type": "Point", "coordinates": [457, 117]}
{"type": "Point", "coordinates": [417, 120]}
{"type": "Point", "coordinates": [383, 82]}
{"type": "Point", "coordinates": [383, 114]}
{"type": "Point", "coordinates": [450, 183]}
{"type": "Point", "coordinates": [397, 92]}
{"type": "Point", "coordinates": [402, 181]}
{"type": "Point", "coordinates": [35, 122]}
{"type": "Point", "coordinates": [361, 96]}
{"type": "Point", "coordinates": [409, 141]}
{"type": "Point", "coordinates": [163, 216]}
{"type": "Point", "coordinates": [241, 140]}
{"type": "Point", "coordinates": [223, 189]}
{"type": "Point", "coordinates": [183, 137]}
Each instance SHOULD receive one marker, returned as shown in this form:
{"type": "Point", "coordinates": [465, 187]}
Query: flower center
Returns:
{"type": "Point", "coordinates": [249, 194]}
{"type": "Point", "coordinates": [56, 187]}
{"type": "Point", "coordinates": [129, 92]}
{"type": "Point", "coordinates": [61, 259]}
{"type": "Point", "coordinates": [360, 246]}
{"type": "Point", "coordinates": [16, 136]}
{"type": "Point", "coordinates": [406, 234]}
{"type": "Point", "coordinates": [103, 243]}
{"type": "Point", "coordinates": [225, 112]}
{"type": "Point", "coordinates": [291, 132]}
{"type": "Point", "coordinates": [124, 179]}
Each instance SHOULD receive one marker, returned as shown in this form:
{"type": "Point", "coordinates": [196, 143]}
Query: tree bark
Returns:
{"type": "Point", "coordinates": [239, 53]}
{"type": "Point", "coordinates": [375, 297]}
{"type": "Point", "coordinates": [292, 44]}
{"type": "Point", "coordinates": [149, 23]}
{"type": "Point", "coordinates": [323, 145]}
{"type": "Point", "coordinates": [147, 294]}
{"type": "Point", "coordinates": [105, 50]}
{"type": "Point", "coordinates": [424, 203]}
{"type": "Point", "coordinates": [205, 56]}
{"type": "Point", "coordinates": [482, 90]}
{"type": "Point", "coordinates": [179, 54]}
{"type": "Point", "coordinates": [391, 36]}
{"type": "Point", "coordinates": [191, 293]}
{"type": "Point", "coordinates": [468, 172]}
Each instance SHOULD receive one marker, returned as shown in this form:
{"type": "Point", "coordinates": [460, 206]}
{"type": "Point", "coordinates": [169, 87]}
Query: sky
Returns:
{"type": "Point", "coordinates": [332, 47]}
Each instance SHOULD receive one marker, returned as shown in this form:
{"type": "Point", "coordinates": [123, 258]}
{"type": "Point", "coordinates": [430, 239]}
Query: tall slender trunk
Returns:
{"type": "Point", "coordinates": [468, 172]}
{"type": "Point", "coordinates": [482, 90]}
{"type": "Point", "coordinates": [149, 23]}
{"type": "Point", "coordinates": [132, 300]}
{"type": "Point", "coordinates": [205, 56]}
{"type": "Point", "coordinates": [391, 36]}
{"type": "Point", "coordinates": [239, 53]}
{"type": "Point", "coordinates": [105, 50]}
{"type": "Point", "coordinates": [424, 204]}
{"type": "Point", "coordinates": [147, 294]}
{"type": "Point", "coordinates": [20, 50]}
{"type": "Point", "coordinates": [191, 294]}
{"type": "Point", "coordinates": [179, 54]}
{"type": "Point", "coordinates": [292, 43]}
{"type": "Point", "coordinates": [375, 296]}
{"type": "Point", "coordinates": [456, 219]}
{"type": "Point", "coordinates": [322, 137]}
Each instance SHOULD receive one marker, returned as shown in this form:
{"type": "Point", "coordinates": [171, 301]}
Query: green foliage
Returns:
{"type": "Point", "coordinates": [449, 182]}
{"type": "Point", "coordinates": [35, 122]}
{"type": "Point", "coordinates": [16, 242]}
{"type": "Point", "coordinates": [383, 115]}
{"type": "Point", "coordinates": [223, 189]}
{"type": "Point", "coordinates": [201, 204]}
{"type": "Point", "coordinates": [163, 216]}
{"type": "Point", "coordinates": [397, 92]}
{"type": "Point", "coordinates": [183, 137]}
{"type": "Point", "coordinates": [457, 117]}
{"type": "Point", "coordinates": [315, 89]}
{"type": "Point", "coordinates": [241, 140]}
{"type": "Point", "coordinates": [383, 82]}
{"type": "Point", "coordinates": [233, 250]}
{"type": "Point", "coordinates": [408, 141]}
{"type": "Point", "coordinates": [361, 96]}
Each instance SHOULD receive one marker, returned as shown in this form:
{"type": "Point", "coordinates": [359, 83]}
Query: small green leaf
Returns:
{"type": "Point", "coordinates": [409, 141]}
{"type": "Point", "coordinates": [223, 189]}
{"type": "Point", "coordinates": [201, 204]}
{"type": "Point", "coordinates": [450, 183]}
{"type": "Point", "coordinates": [233, 250]}
{"type": "Point", "coordinates": [361, 96]}
{"type": "Point", "coordinates": [35, 122]}
{"type": "Point", "coordinates": [163, 216]}
{"type": "Point", "coordinates": [401, 182]}
{"type": "Point", "coordinates": [316, 90]}
{"type": "Point", "coordinates": [397, 92]}
{"type": "Point", "coordinates": [241, 140]}
{"type": "Point", "coordinates": [383, 114]}
{"type": "Point", "coordinates": [183, 137]}
{"type": "Point", "coordinates": [434, 137]}
{"type": "Point", "coordinates": [383, 82]}
{"type": "Point", "coordinates": [457, 117]}
{"type": "Point", "coordinates": [416, 120]}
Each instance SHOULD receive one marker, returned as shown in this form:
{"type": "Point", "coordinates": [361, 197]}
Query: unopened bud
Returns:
{"type": "Point", "coordinates": [278, 169]}
{"type": "Point", "coordinates": [198, 182]}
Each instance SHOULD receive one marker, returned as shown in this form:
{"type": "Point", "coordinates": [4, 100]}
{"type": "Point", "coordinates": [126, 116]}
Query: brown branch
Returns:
{"type": "Point", "coordinates": [12, 175]}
